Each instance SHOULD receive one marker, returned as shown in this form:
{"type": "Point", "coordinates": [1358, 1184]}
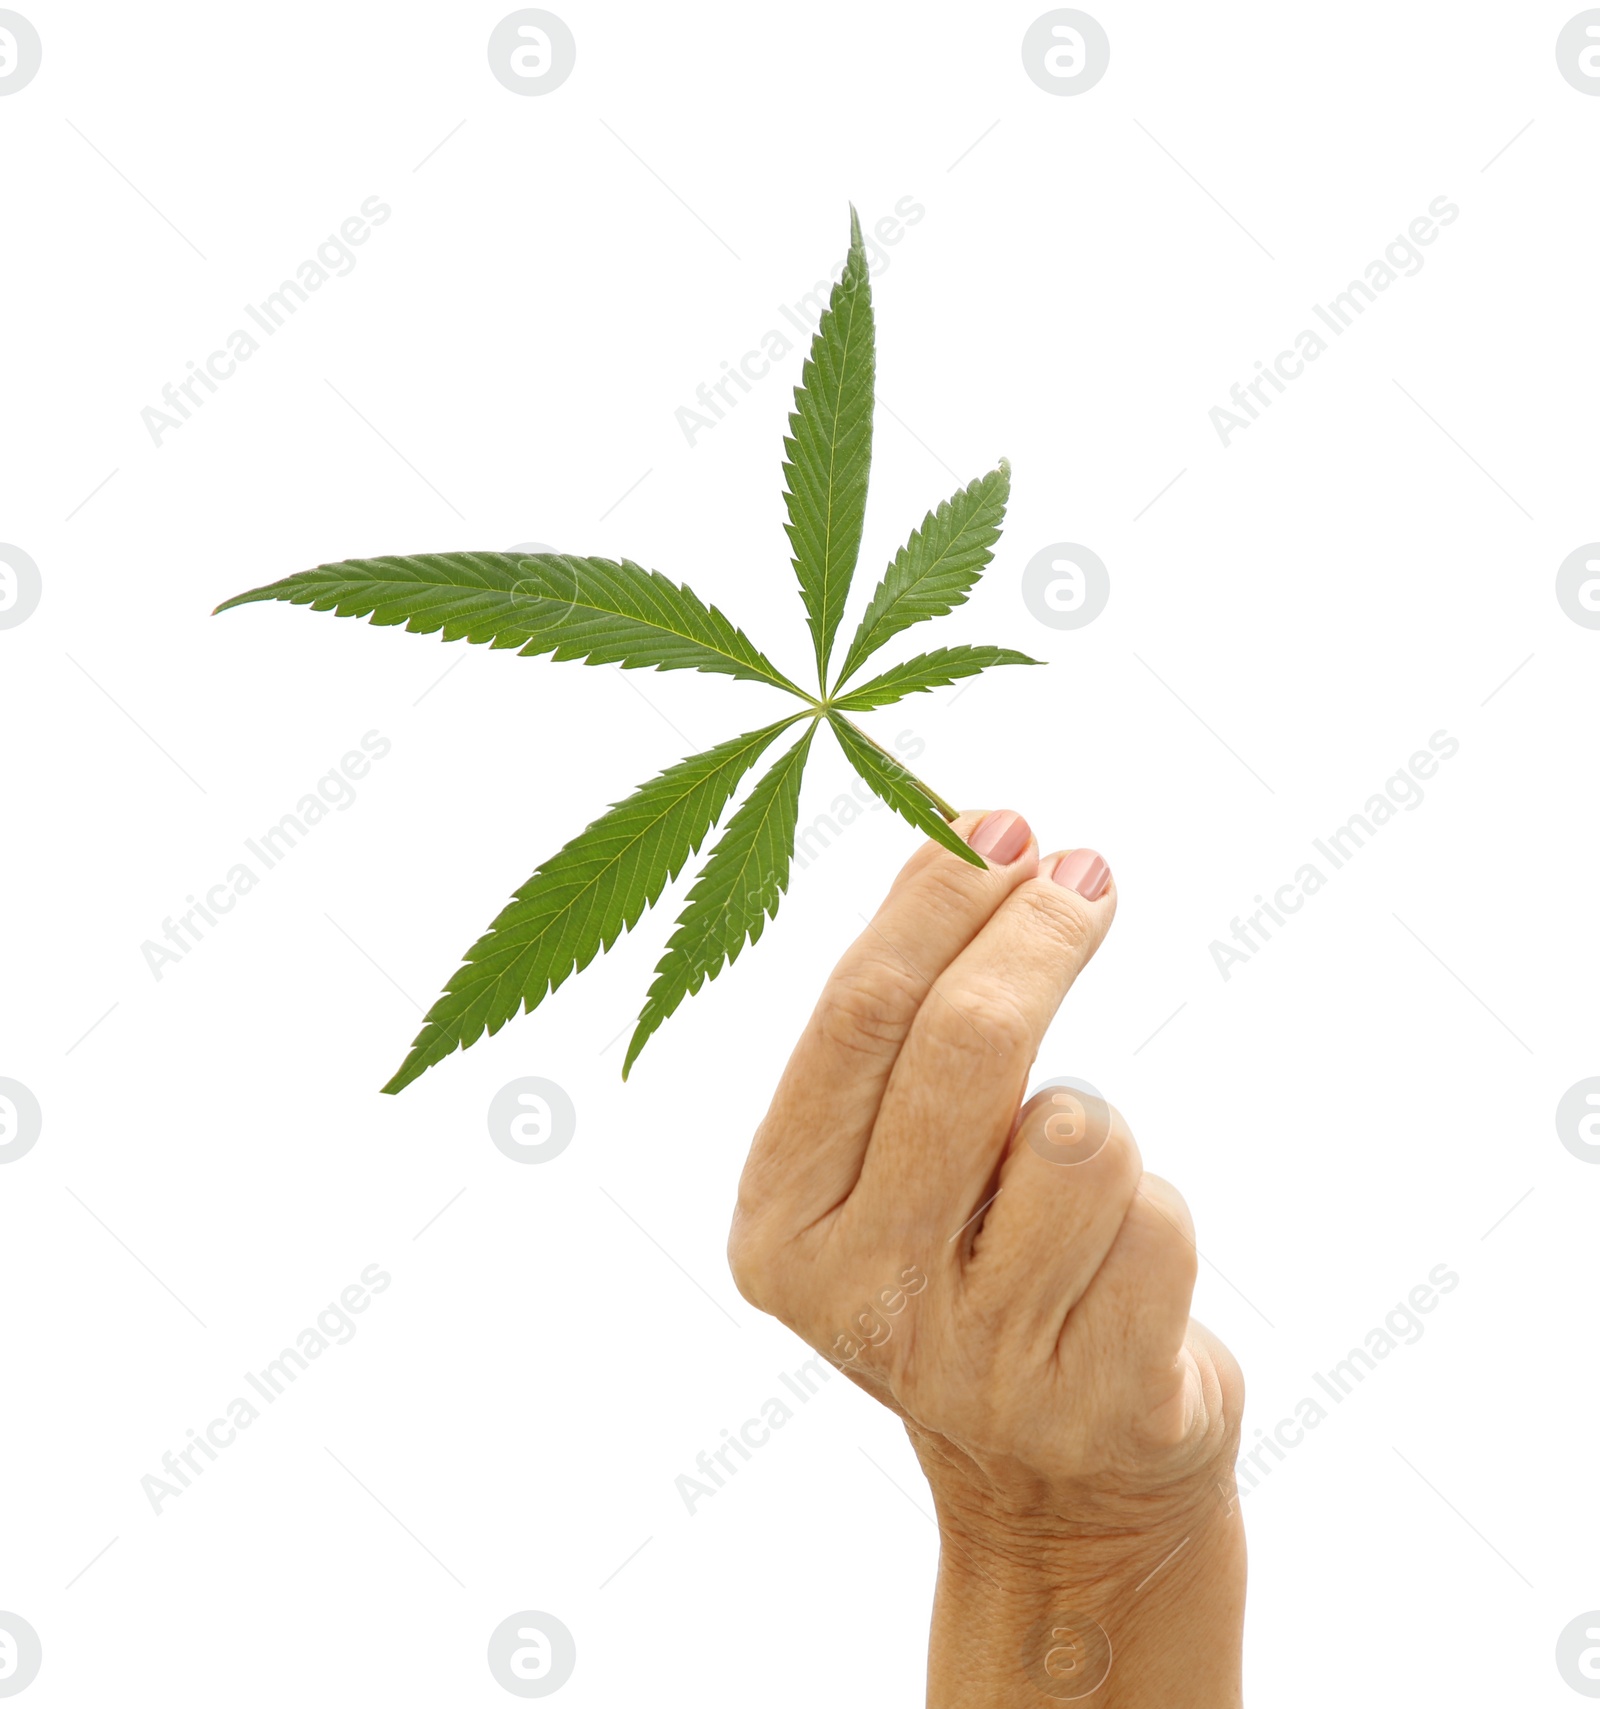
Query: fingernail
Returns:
{"type": "Point", "coordinates": [1084, 871]}
{"type": "Point", "coordinates": [1001, 837]}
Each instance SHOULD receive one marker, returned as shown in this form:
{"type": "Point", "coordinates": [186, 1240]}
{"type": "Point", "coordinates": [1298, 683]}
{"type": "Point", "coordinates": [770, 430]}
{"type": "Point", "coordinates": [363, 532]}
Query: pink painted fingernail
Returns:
{"type": "Point", "coordinates": [1001, 837]}
{"type": "Point", "coordinates": [1084, 871]}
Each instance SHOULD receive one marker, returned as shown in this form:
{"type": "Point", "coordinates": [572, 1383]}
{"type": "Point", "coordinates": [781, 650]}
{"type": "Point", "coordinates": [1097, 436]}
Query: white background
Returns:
{"type": "Point", "coordinates": [1288, 622]}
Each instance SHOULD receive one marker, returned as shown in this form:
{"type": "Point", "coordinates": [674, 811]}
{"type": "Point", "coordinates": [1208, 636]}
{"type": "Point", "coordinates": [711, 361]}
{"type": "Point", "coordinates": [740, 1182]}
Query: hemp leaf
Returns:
{"type": "Point", "coordinates": [607, 611]}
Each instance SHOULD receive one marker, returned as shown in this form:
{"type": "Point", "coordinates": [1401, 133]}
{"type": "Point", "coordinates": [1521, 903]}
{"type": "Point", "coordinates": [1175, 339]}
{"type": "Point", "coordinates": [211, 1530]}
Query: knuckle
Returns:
{"type": "Point", "coordinates": [1180, 1258]}
{"type": "Point", "coordinates": [1066, 1123]}
{"type": "Point", "coordinates": [1058, 919]}
{"type": "Point", "coordinates": [752, 1259]}
{"type": "Point", "coordinates": [932, 853]}
{"type": "Point", "coordinates": [1166, 1214]}
{"type": "Point", "coordinates": [867, 1010]}
{"type": "Point", "coordinates": [1124, 1149]}
{"type": "Point", "coordinates": [982, 1020]}
{"type": "Point", "coordinates": [949, 885]}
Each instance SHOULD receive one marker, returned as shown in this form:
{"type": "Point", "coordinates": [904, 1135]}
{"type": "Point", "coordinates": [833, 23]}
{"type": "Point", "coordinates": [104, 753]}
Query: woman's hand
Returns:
{"type": "Point", "coordinates": [1007, 1279]}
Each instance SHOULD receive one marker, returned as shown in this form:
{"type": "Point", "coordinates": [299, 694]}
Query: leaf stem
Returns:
{"type": "Point", "coordinates": [944, 807]}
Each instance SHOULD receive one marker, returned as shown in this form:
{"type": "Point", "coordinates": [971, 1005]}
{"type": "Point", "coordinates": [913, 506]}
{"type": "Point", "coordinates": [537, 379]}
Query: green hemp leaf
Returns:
{"type": "Point", "coordinates": [605, 611]}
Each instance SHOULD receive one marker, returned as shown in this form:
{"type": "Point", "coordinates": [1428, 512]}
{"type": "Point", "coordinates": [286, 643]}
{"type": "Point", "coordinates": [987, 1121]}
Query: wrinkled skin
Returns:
{"type": "Point", "coordinates": [1003, 1275]}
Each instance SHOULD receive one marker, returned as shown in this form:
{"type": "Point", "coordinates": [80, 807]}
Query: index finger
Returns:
{"type": "Point", "coordinates": [808, 1152]}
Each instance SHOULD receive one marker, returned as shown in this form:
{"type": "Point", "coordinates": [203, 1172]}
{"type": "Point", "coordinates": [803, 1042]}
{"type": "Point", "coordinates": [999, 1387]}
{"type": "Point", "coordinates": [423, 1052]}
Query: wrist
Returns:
{"type": "Point", "coordinates": [1121, 1610]}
